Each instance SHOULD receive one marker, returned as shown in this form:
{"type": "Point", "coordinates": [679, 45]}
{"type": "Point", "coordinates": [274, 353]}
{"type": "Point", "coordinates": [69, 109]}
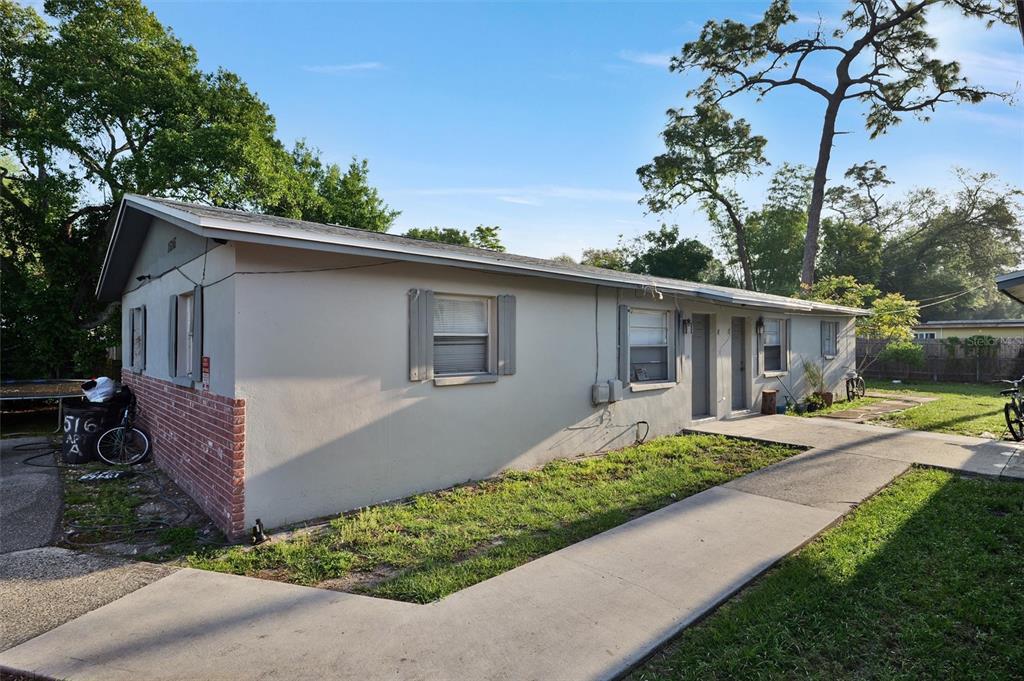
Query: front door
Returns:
{"type": "Point", "coordinates": [700, 361]}
{"type": "Point", "coordinates": [739, 363]}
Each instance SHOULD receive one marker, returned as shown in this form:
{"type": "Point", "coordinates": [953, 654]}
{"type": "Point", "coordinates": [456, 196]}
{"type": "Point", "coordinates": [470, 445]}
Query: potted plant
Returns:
{"type": "Point", "coordinates": [816, 377]}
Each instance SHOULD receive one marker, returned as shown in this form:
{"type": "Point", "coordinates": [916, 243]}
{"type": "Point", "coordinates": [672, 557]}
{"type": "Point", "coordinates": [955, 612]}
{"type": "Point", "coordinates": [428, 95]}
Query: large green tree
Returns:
{"type": "Point", "coordinates": [663, 253]}
{"type": "Point", "coordinates": [705, 150]}
{"type": "Point", "coordinates": [950, 252]}
{"type": "Point", "coordinates": [482, 236]}
{"type": "Point", "coordinates": [880, 56]}
{"type": "Point", "coordinates": [101, 101]}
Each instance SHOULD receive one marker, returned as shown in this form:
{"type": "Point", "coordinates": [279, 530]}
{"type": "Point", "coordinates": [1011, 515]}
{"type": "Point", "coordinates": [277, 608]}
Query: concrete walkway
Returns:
{"type": "Point", "coordinates": [887, 404]}
{"type": "Point", "coordinates": [589, 611]}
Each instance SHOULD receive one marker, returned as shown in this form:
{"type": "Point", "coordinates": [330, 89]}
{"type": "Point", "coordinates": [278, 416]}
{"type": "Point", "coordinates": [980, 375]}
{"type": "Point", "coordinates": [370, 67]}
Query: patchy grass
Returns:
{"type": "Point", "coordinates": [843, 406]}
{"type": "Point", "coordinates": [143, 517]}
{"type": "Point", "coordinates": [442, 542]}
{"type": "Point", "coordinates": [962, 408]}
{"type": "Point", "coordinates": [923, 581]}
{"type": "Point", "coordinates": [98, 511]}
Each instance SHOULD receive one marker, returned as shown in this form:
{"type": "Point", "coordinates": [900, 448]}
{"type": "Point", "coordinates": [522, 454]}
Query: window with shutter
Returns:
{"type": "Point", "coordinates": [829, 339]}
{"type": "Point", "coordinates": [773, 344]}
{"type": "Point", "coordinates": [649, 354]}
{"type": "Point", "coordinates": [462, 331]}
{"type": "Point", "coordinates": [183, 336]}
{"type": "Point", "coordinates": [138, 338]}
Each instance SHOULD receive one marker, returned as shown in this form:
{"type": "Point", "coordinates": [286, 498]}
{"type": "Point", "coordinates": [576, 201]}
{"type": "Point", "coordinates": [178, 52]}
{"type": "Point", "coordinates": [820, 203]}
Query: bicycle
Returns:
{"type": "Point", "coordinates": [854, 386]}
{"type": "Point", "coordinates": [1013, 410]}
{"type": "Point", "coordinates": [124, 444]}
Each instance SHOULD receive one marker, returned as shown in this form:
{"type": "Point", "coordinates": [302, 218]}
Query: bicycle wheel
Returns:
{"type": "Point", "coordinates": [1014, 421]}
{"type": "Point", "coordinates": [121, 447]}
{"type": "Point", "coordinates": [859, 389]}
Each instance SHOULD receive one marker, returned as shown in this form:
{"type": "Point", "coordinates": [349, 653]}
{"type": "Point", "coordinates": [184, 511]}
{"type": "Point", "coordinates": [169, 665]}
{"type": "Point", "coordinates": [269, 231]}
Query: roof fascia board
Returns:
{"type": "Point", "coordinates": [110, 246]}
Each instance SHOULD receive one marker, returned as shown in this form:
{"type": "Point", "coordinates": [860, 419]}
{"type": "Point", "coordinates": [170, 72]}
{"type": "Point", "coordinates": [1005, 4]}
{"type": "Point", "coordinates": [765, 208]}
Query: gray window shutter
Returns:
{"type": "Point", "coordinates": [145, 329]}
{"type": "Point", "coordinates": [824, 335]}
{"type": "Point", "coordinates": [197, 334]}
{"type": "Point", "coordinates": [421, 334]}
{"type": "Point", "coordinates": [675, 343]}
{"type": "Point", "coordinates": [172, 338]}
{"type": "Point", "coordinates": [506, 335]}
{"type": "Point", "coordinates": [785, 345]}
{"type": "Point", "coordinates": [624, 344]}
{"type": "Point", "coordinates": [131, 339]}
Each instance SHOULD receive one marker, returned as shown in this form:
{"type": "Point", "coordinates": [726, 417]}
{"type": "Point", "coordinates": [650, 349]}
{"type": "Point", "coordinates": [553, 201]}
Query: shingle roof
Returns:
{"type": "Point", "coordinates": [244, 226]}
{"type": "Point", "coordinates": [970, 323]}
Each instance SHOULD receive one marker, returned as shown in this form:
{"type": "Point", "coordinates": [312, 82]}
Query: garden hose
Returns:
{"type": "Point", "coordinates": [123, 531]}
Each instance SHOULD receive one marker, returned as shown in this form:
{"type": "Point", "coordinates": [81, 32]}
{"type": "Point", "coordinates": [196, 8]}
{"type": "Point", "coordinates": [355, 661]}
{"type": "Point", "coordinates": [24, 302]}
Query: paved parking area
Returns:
{"type": "Point", "coordinates": [30, 500]}
{"type": "Point", "coordinates": [41, 589]}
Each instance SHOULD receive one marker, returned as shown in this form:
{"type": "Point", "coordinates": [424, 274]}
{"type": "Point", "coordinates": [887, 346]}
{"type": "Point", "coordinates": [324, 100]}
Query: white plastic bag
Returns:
{"type": "Point", "coordinates": [102, 391]}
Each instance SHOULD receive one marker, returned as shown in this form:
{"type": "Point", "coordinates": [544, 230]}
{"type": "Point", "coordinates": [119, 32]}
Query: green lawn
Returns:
{"type": "Point", "coordinates": [441, 542]}
{"type": "Point", "coordinates": [923, 581]}
{"type": "Point", "coordinates": [962, 408]}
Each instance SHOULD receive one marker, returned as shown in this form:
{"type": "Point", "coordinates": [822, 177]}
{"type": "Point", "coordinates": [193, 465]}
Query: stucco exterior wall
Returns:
{"type": "Point", "coordinates": [334, 423]}
{"type": "Point", "coordinates": [218, 301]}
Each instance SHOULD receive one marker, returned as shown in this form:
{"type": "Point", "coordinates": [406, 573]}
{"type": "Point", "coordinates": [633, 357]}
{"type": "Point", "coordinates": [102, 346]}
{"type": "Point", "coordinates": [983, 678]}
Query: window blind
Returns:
{"type": "Point", "coordinates": [460, 335]}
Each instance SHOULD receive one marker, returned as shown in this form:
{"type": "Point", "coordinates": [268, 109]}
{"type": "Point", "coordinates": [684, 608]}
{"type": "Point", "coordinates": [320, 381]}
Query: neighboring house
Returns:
{"type": "Point", "coordinates": [1012, 284]}
{"type": "Point", "coordinates": [288, 370]}
{"type": "Point", "coordinates": [964, 328]}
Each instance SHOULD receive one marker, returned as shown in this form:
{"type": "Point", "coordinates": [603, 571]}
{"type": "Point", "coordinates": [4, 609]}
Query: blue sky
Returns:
{"type": "Point", "coordinates": [535, 116]}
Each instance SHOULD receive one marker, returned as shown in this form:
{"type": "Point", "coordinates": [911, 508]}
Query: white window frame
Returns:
{"type": "Point", "coordinates": [832, 352]}
{"type": "Point", "coordinates": [489, 364]}
{"type": "Point", "coordinates": [782, 345]}
{"type": "Point", "coordinates": [924, 335]}
{"type": "Point", "coordinates": [667, 345]}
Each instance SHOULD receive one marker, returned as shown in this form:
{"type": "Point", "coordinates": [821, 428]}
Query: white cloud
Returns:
{"type": "Point", "coordinates": [658, 59]}
{"type": "Point", "coordinates": [520, 200]}
{"type": "Point", "coordinates": [533, 195]}
{"type": "Point", "coordinates": [336, 69]}
{"type": "Point", "coordinates": [978, 49]}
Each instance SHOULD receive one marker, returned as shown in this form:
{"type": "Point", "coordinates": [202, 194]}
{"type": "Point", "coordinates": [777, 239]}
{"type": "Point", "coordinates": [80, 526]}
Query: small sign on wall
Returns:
{"type": "Point", "coordinates": [206, 373]}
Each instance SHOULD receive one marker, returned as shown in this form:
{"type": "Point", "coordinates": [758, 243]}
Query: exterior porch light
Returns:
{"type": "Point", "coordinates": [759, 326]}
{"type": "Point", "coordinates": [686, 322]}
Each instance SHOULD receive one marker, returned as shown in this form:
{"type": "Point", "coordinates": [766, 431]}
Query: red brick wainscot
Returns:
{"type": "Point", "coordinates": [198, 438]}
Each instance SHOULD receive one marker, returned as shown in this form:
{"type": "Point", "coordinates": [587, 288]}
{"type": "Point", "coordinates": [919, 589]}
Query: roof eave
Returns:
{"type": "Point", "coordinates": [230, 230]}
{"type": "Point", "coordinates": [1012, 285]}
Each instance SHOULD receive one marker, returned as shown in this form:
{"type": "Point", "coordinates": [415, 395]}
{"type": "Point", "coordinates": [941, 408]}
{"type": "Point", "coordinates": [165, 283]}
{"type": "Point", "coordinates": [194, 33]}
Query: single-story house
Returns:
{"type": "Point", "coordinates": [964, 328]}
{"type": "Point", "coordinates": [1012, 284]}
{"type": "Point", "coordinates": [288, 370]}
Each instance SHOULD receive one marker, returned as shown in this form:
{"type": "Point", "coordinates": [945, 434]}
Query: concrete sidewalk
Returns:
{"type": "Point", "coordinates": [991, 458]}
{"type": "Point", "coordinates": [589, 611]}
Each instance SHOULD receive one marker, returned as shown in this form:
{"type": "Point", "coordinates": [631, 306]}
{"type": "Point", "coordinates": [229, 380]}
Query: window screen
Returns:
{"type": "Point", "coordinates": [461, 335]}
{"type": "Point", "coordinates": [773, 345]}
{"type": "Point", "coordinates": [138, 334]}
{"type": "Point", "coordinates": [648, 345]}
{"type": "Point", "coordinates": [829, 336]}
{"type": "Point", "coordinates": [183, 336]}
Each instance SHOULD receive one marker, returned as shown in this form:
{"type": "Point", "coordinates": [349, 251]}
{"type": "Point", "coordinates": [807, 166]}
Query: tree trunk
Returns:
{"type": "Point", "coordinates": [741, 246]}
{"type": "Point", "coordinates": [741, 253]}
{"type": "Point", "coordinates": [828, 133]}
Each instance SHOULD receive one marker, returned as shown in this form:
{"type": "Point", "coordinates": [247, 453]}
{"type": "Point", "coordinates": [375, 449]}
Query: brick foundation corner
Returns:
{"type": "Point", "coordinates": [198, 439]}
